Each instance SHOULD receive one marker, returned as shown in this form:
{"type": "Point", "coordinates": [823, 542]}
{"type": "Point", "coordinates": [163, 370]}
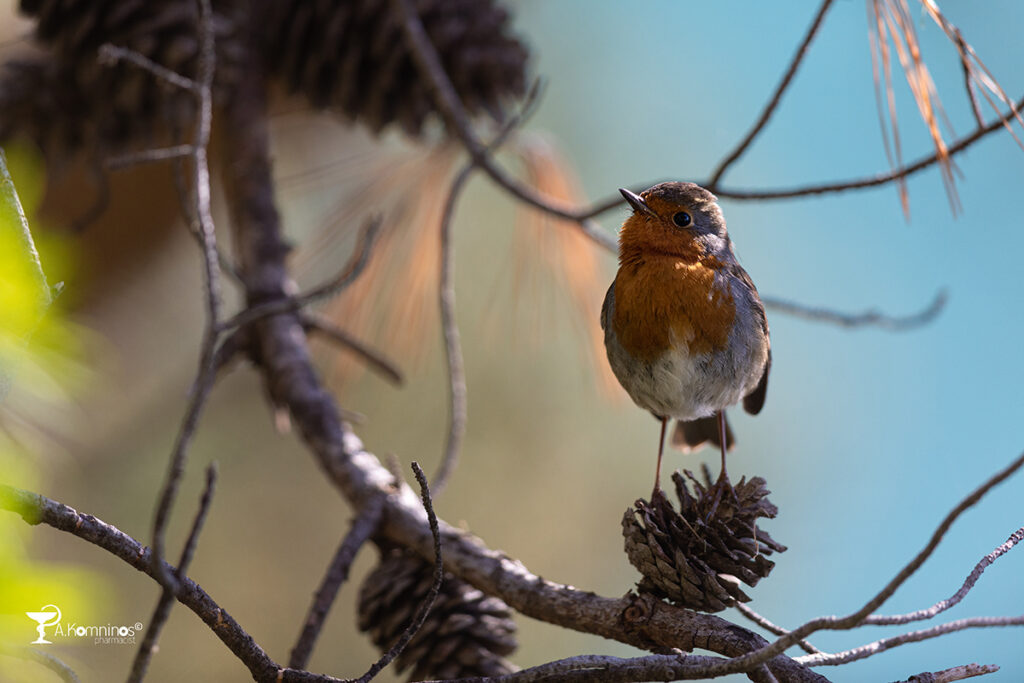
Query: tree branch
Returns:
{"type": "Point", "coordinates": [773, 102]}
{"type": "Point", "coordinates": [878, 646]}
{"type": "Point", "coordinates": [37, 509]}
{"type": "Point", "coordinates": [363, 526]}
{"type": "Point", "coordinates": [871, 181]}
{"type": "Point", "coordinates": [871, 318]}
{"type": "Point", "coordinates": [956, 673]}
{"type": "Point", "coordinates": [428, 600]}
{"type": "Point", "coordinates": [163, 607]}
{"type": "Point", "coordinates": [312, 322]}
{"type": "Point", "coordinates": [457, 403]}
{"type": "Point", "coordinates": [943, 605]}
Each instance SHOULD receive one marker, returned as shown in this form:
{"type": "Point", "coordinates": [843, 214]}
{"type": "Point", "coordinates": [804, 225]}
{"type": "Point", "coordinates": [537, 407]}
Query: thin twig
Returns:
{"type": "Point", "coordinates": [943, 605]}
{"type": "Point", "coordinates": [871, 181]}
{"type": "Point", "coordinates": [110, 55]}
{"type": "Point", "coordinates": [149, 156]}
{"type": "Point", "coordinates": [610, 669]}
{"type": "Point", "coordinates": [744, 662]}
{"type": "Point", "coordinates": [865, 319]}
{"type": "Point", "coordinates": [313, 322]}
{"type": "Point", "coordinates": [14, 215]}
{"type": "Point", "coordinates": [447, 100]}
{"type": "Point", "coordinates": [956, 673]}
{"type": "Point", "coordinates": [769, 108]}
{"type": "Point", "coordinates": [45, 659]}
{"type": "Point", "coordinates": [771, 627]}
{"type": "Point", "coordinates": [353, 269]}
{"type": "Point", "coordinates": [457, 403]}
{"type": "Point", "coordinates": [37, 509]}
{"type": "Point", "coordinates": [424, 609]}
{"type": "Point", "coordinates": [206, 374]}
{"type": "Point", "coordinates": [965, 66]}
{"type": "Point", "coordinates": [363, 526]}
{"type": "Point", "coordinates": [865, 651]}
{"type": "Point", "coordinates": [163, 608]}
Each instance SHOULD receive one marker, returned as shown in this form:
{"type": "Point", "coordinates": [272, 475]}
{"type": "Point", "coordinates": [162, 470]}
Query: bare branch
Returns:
{"type": "Point", "coordinates": [773, 102]}
{"type": "Point", "coordinates": [965, 66]}
{"type": "Point", "coordinates": [149, 156]}
{"type": "Point", "coordinates": [363, 526]}
{"type": "Point", "coordinates": [609, 669]}
{"type": "Point", "coordinates": [447, 100]}
{"type": "Point", "coordinates": [37, 509]}
{"type": "Point", "coordinates": [957, 673]}
{"type": "Point", "coordinates": [943, 605]}
{"type": "Point", "coordinates": [205, 375]}
{"type": "Point", "coordinates": [457, 403]}
{"type": "Point", "coordinates": [110, 55]}
{"type": "Point", "coordinates": [313, 322]}
{"type": "Point", "coordinates": [357, 263]}
{"type": "Point", "coordinates": [14, 214]}
{"type": "Point", "coordinates": [167, 598]}
{"type": "Point", "coordinates": [771, 627]}
{"type": "Point", "coordinates": [45, 659]}
{"type": "Point", "coordinates": [869, 318]}
{"type": "Point", "coordinates": [857, 618]}
{"type": "Point", "coordinates": [872, 181]}
{"type": "Point", "coordinates": [428, 601]}
{"type": "Point", "coordinates": [878, 646]}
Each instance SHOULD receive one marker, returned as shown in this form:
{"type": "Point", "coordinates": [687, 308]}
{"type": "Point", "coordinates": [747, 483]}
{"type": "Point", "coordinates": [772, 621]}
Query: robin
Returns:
{"type": "Point", "coordinates": [684, 328]}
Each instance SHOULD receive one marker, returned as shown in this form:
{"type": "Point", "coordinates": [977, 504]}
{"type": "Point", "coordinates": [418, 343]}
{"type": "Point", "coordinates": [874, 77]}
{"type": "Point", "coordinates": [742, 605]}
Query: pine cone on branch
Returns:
{"type": "Point", "coordinates": [466, 633]}
{"type": "Point", "coordinates": [696, 557]}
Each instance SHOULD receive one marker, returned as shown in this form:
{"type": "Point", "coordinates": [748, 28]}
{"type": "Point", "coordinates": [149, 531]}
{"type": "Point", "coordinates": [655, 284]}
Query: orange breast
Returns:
{"type": "Point", "coordinates": [665, 302]}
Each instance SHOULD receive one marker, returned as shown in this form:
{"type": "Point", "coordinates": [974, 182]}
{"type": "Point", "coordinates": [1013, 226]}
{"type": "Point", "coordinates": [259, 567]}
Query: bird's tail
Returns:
{"type": "Point", "coordinates": [689, 436]}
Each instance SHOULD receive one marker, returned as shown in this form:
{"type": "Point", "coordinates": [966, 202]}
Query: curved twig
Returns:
{"type": "Point", "coordinates": [163, 607]}
{"type": "Point", "coordinates": [428, 601]}
{"type": "Point", "coordinates": [37, 509]}
{"type": "Point", "coordinates": [457, 403]}
{"type": "Point", "coordinates": [857, 618]}
{"type": "Point", "coordinates": [865, 651]}
{"type": "Point", "coordinates": [955, 673]}
{"type": "Point", "coordinates": [769, 108]}
{"type": "Point", "coordinates": [313, 322]}
{"type": "Point", "coordinates": [871, 181]}
{"type": "Point", "coordinates": [772, 627]}
{"type": "Point", "coordinates": [363, 526]}
{"type": "Point", "coordinates": [865, 319]}
{"type": "Point", "coordinates": [943, 605]}
{"type": "Point", "coordinates": [349, 274]}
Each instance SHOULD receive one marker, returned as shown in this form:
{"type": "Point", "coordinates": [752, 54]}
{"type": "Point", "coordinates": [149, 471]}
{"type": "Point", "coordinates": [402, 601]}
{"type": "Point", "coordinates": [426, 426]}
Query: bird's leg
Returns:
{"type": "Point", "coordinates": [724, 476]}
{"type": "Point", "coordinates": [661, 449]}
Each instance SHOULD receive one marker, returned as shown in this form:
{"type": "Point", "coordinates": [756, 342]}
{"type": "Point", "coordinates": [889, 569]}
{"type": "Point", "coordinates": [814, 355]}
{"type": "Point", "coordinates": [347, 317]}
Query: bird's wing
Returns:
{"type": "Point", "coordinates": [754, 401]}
{"type": "Point", "coordinates": [607, 306]}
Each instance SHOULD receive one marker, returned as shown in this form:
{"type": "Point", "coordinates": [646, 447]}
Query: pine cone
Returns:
{"type": "Point", "coordinates": [466, 633]}
{"type": "Point", "coordinates": [352, 56]}
{"type": "Point", "coordinates": [696, 557]}
{"type": "Point", "coordinates": [66, 100]}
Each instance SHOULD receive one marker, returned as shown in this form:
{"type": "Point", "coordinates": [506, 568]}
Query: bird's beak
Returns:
{"type": "Point", "coordinates": [636, 202]}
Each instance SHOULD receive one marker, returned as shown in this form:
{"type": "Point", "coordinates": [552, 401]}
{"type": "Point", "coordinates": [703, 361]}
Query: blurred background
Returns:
{"type": "Point", "coordinates": [868, 437]}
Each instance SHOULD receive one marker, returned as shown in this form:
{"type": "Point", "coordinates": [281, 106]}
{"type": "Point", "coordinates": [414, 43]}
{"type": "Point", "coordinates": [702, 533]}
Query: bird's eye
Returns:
{"type": "Point", "coordinates": [682, 219]}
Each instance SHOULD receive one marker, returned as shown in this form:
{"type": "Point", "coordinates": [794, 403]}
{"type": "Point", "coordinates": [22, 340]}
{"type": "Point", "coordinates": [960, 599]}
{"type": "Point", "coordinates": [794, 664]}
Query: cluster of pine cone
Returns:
{"type": "Point", "coordinates": [348, 56]}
